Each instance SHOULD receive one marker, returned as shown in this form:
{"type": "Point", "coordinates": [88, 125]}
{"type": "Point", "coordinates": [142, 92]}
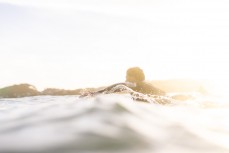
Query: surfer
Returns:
{"type": "Point", "coordinates": [136, 76]}
{"type": "Point", "coordinates": [135, 85]}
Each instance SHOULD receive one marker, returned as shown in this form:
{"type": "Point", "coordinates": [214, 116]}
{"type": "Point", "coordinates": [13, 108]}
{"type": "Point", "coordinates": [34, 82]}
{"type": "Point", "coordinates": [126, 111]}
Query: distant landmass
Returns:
{"type": "Point", "coordinates": [180, 85]}
{"type": "Point", "coordinates": [25, 89]}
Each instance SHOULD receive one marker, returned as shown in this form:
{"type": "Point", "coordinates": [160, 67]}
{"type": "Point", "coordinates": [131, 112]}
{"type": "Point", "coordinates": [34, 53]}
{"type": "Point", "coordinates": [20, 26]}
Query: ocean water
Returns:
{"type": "Point", "coordinates": [113, 123]}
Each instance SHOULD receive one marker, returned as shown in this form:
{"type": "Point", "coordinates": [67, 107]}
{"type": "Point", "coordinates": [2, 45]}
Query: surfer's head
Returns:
{"type": "Point", "coordinates": [135, 74]}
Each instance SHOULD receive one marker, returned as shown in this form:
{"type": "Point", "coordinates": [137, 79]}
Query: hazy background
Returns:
{"type": "Point", "coordinates": [86, 43]}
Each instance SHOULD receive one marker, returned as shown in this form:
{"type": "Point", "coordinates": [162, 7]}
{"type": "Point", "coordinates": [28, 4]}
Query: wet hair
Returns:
{"type": "Point", "coordinates": [137, 73]}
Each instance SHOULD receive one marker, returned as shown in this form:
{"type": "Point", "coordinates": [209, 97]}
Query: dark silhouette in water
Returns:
{"type": "Point", "coordinates": [135, 80]}
{"type": "Point", "coordinates": [136, 76]}
{"type": "Point", "coordinates": [136, 86]}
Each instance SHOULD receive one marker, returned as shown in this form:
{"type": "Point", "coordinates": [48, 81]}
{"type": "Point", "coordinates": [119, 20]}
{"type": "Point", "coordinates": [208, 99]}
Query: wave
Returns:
{"type": "Point", "coordinates": [111, 123]}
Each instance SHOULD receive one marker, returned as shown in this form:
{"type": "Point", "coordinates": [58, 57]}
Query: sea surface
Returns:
{"type": "Point", "coordinates": [113, 123]}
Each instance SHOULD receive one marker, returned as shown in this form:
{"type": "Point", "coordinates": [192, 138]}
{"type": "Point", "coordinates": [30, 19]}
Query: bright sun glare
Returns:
{"type": "Point", "coordinates": [168, 39]}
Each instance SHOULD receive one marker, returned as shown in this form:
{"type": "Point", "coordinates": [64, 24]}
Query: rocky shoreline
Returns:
{"type": "Point", "coordinates": [26, 90]}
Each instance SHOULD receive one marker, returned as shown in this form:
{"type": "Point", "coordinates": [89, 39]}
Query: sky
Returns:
{"type": "Point", "coordinates": [86, 43]}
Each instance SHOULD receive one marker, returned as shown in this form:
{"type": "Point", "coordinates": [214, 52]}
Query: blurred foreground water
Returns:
{"type": "Point", "coordinates": [113, 124]}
